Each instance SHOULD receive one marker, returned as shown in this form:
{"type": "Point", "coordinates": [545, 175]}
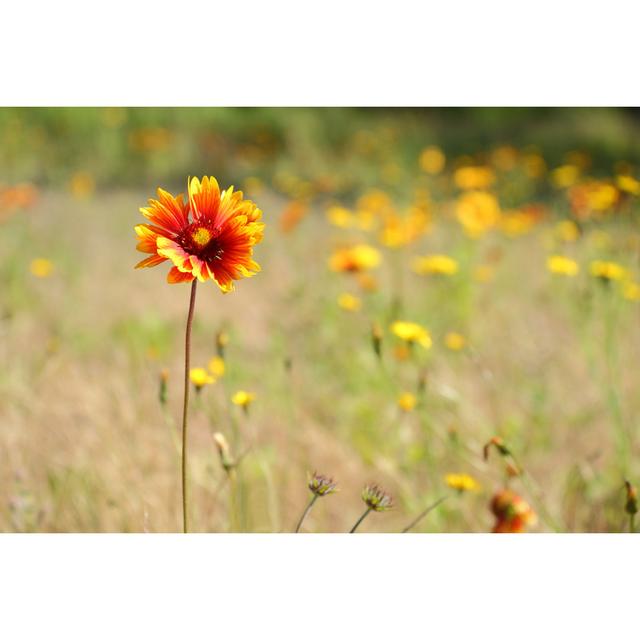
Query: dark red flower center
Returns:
{"type": "Point", "coordinates": [201, 240]}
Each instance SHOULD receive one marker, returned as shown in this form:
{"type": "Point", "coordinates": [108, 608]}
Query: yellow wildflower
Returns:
{"type": "Point", "coordinates": [432, 160]}
{"type": "Point", "coordinates": [82, 185]}
{"type": "Point", "coordinates": [484, 273]}
{"type": "Point", "coordinates": [340, 217]}
{"type": "Point", "coordinates": [216, 366]}
{"type": "Point", "coordinates": [200, 377]}
{"type": "Point", "coordinates": [607, 270]}
{"type": "Point", "coordinates": [567, 231]}
{"type": "Point", "coordinates": [41, 267]}
{"type": "Point", "coordinates": [477, 212]}
{"type": "Point", "coordinates": [631, 291]}
{"type": "Point", "coordinates": [355, 259]}
{"type": "Point", "coordinates": [455, 341]}
{"type": "Point", "coordinates": [349, 302]}
{"type": "Point", "coordinates": [628, 184]}
{"type": "Point", "coordinates": [461, 482]}
{"type": "Point", "coordinates": [468, 178]}
{"type": "Point", "coordinates": [563, 266]}
{"type": "Point", "coordinates": [412, 332]}
{"type": "Point", "coordinates": [407, 401]}
{"type": "Point", "coordinates": [435, 264]}
{"type": "Point", "coordinates": [565, 176]}
{"type": "Point", "coordinates": [243, 398]}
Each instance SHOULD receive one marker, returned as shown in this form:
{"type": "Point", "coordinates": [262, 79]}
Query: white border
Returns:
{"type": "Point", "coordinates": [319, 586]}
{"type": "Point", "coordinates": [403, 53]}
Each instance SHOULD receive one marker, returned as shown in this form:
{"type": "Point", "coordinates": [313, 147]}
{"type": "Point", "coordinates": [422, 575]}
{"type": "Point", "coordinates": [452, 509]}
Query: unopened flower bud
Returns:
{"type": "Point", "coordinates": [223, 451]}
{"type": "Point", "coordinates": [162, 389]}
{"type": "Point", "coordinates": [376, 339]}
{"type": "Point", "coordinates": [631, 505]}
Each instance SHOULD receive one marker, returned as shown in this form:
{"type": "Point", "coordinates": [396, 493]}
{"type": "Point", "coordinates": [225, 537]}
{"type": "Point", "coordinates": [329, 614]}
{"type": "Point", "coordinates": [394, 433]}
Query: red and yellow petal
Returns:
{"type": "Point", "coordinates": [151, 261]}
{"type": "Point", "coordinates": [204, 199]}
{"type": "Point", "coordinates": [175, 276]}
{"type": "Point", "coordinates": [169, 212]}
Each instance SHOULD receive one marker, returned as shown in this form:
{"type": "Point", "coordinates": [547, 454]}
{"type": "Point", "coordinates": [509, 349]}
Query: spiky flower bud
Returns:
{"type": "Point", "coordinates": [162, 389]}
{"type": "Point", "coordinates": [222, 339]}
{"type": "Point", "coordinates": [321, 485]}
{"type": "Point", "coordinates": [376, 339]}
{"type": "Point", "coordinates": [224, 451]}
{"type": "Point", "coordinates": [499, 444]}
{"type": "Point", "coordinates": [376, 498]}
{"type": "Point", "coordinates": [631, 505]}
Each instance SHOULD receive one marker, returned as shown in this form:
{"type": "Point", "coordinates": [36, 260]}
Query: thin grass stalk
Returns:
{"type": "Point", "coordinates": [305, 512]}
{"type": "Point", "coordinates": [360, 519]}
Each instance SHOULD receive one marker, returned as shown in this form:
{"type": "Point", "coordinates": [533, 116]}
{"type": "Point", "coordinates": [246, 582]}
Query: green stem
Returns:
{"type": "Point", "coordinates": [632, 528]}
{"type": "Point", "coordinates": [360, 519]}
{"type": "Point", "coordinates": [304, 513]}
{"type": "Point", "coordinates": [424, 513]}
{"type": "Point", "coordinates": [185, 406]}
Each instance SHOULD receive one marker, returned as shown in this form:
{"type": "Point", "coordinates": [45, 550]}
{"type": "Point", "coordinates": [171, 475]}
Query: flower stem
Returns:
{"type": "Point", "coordinates": [632, 528]}
{"type": "Point", "coordinates": [424, 513]}
{"type": "Point", "coordinates": [185, 406]}
{"type": "Point", "coordinates": [304, 513]}
{"type": "Point", "coordinates": [360, 519]}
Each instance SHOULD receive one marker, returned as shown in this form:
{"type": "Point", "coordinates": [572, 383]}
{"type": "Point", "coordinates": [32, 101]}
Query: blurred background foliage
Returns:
{"type": "Point", "coordinates": [339, 150]}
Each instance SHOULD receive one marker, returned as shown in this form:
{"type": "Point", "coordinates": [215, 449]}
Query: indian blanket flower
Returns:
{"type": "Point", "coordinates": [562, 266]}
{"type": "Point", "coordinates": [209, 237]}
{"type": "Point", "coordinates": [435, 265]}
{"type": "Point", "coordinates": [412, 333]}
{"type": "Point", "coordinates": [513, 514]}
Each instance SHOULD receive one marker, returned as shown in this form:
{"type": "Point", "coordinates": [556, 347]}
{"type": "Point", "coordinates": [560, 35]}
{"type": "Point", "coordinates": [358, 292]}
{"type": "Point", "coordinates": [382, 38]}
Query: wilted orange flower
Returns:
{"type": "Point", "coordinates": [513, 514]}
{"type": "Point", "coordinates": [209, 237]}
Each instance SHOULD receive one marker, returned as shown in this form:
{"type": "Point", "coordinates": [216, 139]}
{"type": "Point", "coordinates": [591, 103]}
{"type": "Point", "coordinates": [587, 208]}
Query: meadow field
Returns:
{"type": "Point", "coordinates": [447, 309]}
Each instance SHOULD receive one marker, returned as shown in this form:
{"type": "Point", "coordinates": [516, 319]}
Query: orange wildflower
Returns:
{"type": "Point", "coordinates": [210, 237]}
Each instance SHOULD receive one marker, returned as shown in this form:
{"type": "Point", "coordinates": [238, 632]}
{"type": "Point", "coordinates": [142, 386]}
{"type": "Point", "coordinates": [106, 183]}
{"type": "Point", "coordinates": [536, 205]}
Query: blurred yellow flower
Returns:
{"type": "Point", "coordinates": [534, 165]}
{"type": "Point", "coordinates": [407, 401]}
{"type": "Point", "coordinates": [200, 377]}
{"type": "Point", "coordinates": [504, 158]}
{"type": "Point", "coordinates": [607, 270]}
{"type": "Point", "coordinates": [561, 265]}
{"type": "Point", "coordinates": [484, 273]}
{"type": "Point", "coordinates": [631, 291]}
{"type": "Point", "coordinates": [355, 259]}
{"type": "Point", "coordinates": [628, 184]}
{"type": "Point", "coordinates": [477, 212]}
{"type": "Point", "coordinates": [243, 398]}
{"type": "Point", "coordinates": [217, 366]}
{"type": "Point", "coordinates": [468, 178]}
{"type": "Point", "coordinates": [567, 231]}
{"type": "Point", "coordinates": [435, 264]}
{"type": "Point", "coordinates": [82, 185]}
{"type": "Point", "coordinates": [399, 231]}
{"type": "Point", "coordinates": [375, 201]}
{"type": "Point", "coordinates": [565, 176]}
{"type": "Point", "coordinates": [412, 332]}
{"type": "Point", "coordinates": [41, 267]}
{"type": "Point", "coordinates": [366, 282]}
{"type": "Point", "coordinates": [340, 217]}
{"type": "Point", "coordinates": [461, 482]}
{"type": "Point", "coordinates": [517, 223]}
{"type": "Point", "coordinates": [349, 302]}
{"type": "Point", "coordinates": [455, 341]}
{"type": "Point", "coordinates": [592, 196]}
{"type": "Point", "coordinates": [432, 160]}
